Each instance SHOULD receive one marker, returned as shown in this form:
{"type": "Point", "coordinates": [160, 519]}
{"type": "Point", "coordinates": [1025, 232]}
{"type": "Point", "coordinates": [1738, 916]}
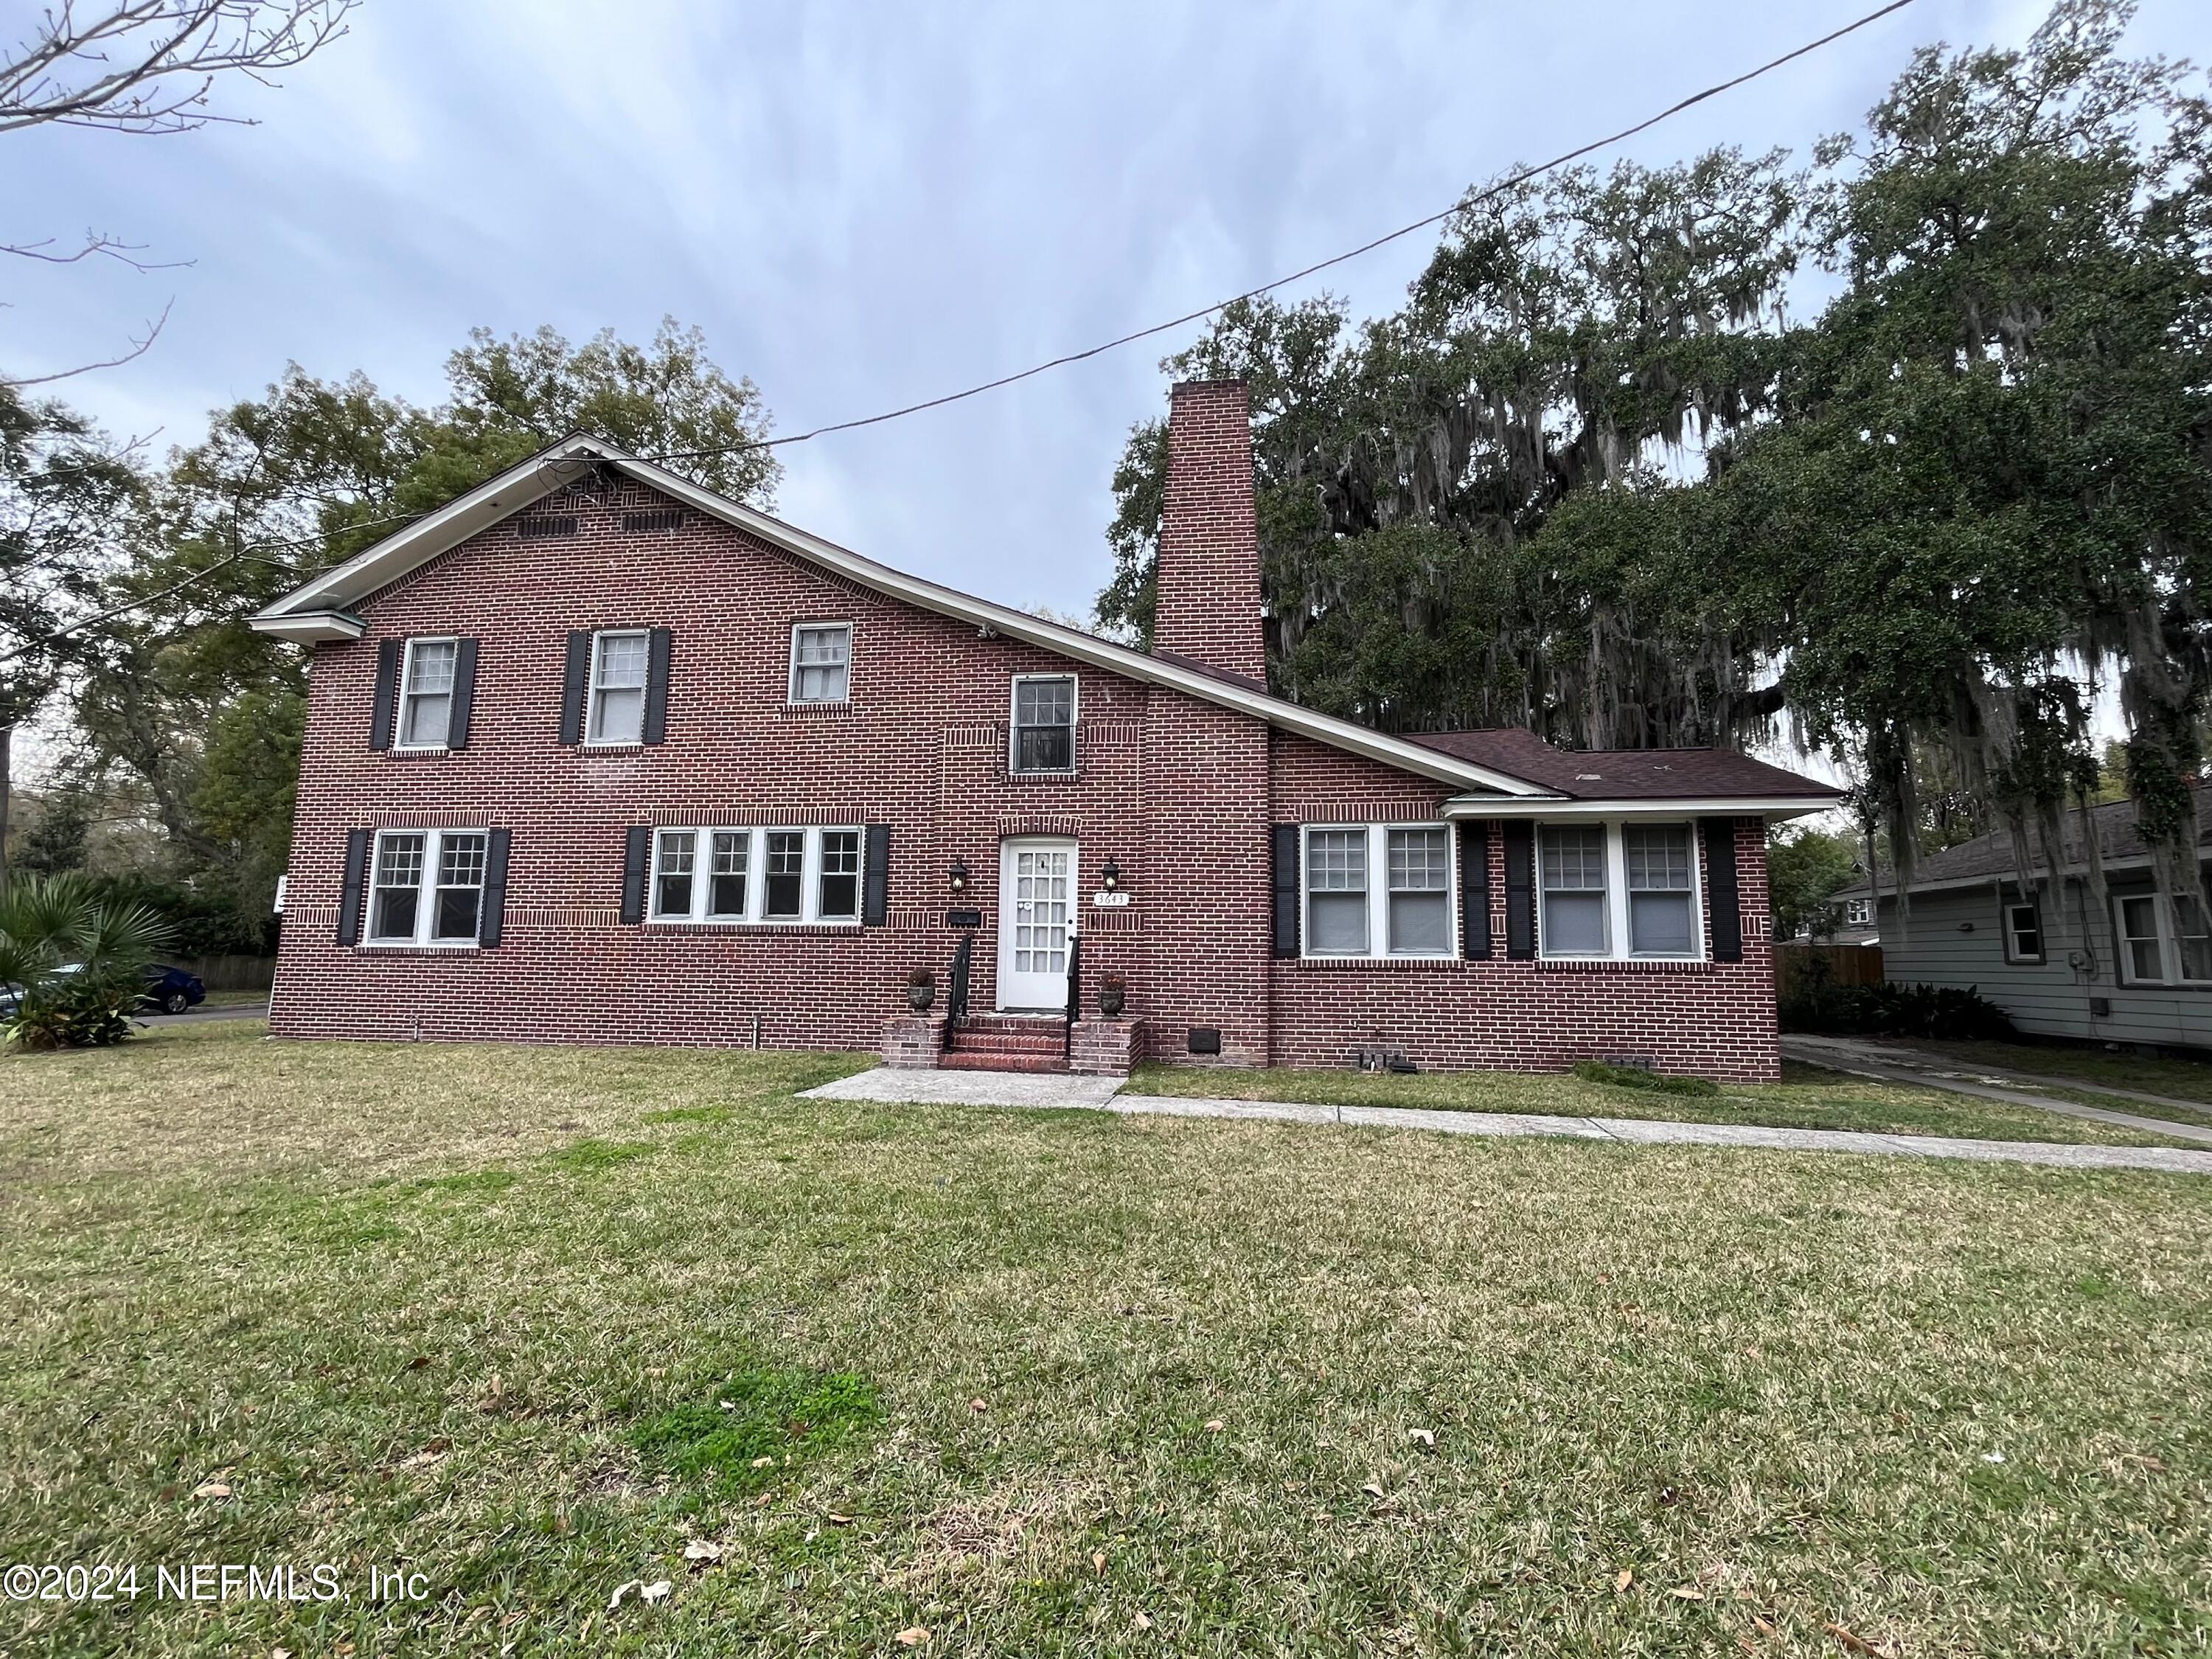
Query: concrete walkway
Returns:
{"type": "Point", "coordinates": [1100, 1094]}
{"type": "Point", "coordinates": [1917, 1070]}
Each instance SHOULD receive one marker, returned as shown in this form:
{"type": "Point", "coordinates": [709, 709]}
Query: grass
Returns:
{"type": "Point", "coordinates": [1808, 1097]}
{"type": "Point", "coordinates": [2184, 1079]}
{"type": "Point", "coordinates": [235, 998]}
{"type": "Point", "coordinates": [1062, 1383]}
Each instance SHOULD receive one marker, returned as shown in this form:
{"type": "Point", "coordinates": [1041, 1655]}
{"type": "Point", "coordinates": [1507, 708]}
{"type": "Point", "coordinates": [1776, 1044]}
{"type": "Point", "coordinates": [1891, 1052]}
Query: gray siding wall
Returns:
{"type": "Point", "coordinates": [2053, 998]}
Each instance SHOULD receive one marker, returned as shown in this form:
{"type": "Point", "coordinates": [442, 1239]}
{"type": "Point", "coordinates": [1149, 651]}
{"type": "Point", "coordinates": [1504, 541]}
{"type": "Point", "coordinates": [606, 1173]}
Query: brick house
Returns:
{"type": "Point", "coordinates": [594, 755]}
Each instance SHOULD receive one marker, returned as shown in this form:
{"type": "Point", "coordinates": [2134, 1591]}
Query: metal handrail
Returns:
{"type": "Point", "coordinates": [1074, 996]}
{"type": "Point", "coordinates": [956, 997]}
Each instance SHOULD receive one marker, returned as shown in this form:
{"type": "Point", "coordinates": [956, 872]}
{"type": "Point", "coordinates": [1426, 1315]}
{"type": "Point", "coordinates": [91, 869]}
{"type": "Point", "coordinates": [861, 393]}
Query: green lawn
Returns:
{"type": "Point", "coordinates": [1808, 1097]}
{"type": "Point", "coordinates": [527, 1322]}
{"type": "Point", "coordinates": [2184, 1079]}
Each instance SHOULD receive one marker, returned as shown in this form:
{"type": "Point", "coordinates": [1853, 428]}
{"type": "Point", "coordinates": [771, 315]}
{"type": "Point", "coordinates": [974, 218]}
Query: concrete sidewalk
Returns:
{"type": "Point", "coordinates": [1100, 1094]}
{"type": "Point", "coordinates": [1914, 1069]}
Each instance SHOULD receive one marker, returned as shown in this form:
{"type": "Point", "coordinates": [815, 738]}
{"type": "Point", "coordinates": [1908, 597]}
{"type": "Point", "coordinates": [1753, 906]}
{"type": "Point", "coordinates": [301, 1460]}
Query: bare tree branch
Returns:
{"type": "Point", "coordinates": [139, 348]}
{"type": "Point", "coordinates": [148, 66]}
{"type": "Point", "coordinates": [96, 242]}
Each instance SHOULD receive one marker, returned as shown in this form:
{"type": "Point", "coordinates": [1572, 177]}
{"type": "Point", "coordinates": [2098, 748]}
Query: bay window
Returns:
{"type": "Point", "coordinates": [1349, 912]}
{"type": "Point", "coordinates": [426, 887]}
{"type": "Point", "coordinates": [707, 874]}
{"type": "Point", "coordinates": [1611, 892]}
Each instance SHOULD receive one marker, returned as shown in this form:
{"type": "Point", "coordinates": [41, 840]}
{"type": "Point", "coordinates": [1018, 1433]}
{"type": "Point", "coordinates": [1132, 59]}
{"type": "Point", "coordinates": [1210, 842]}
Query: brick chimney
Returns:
{"type": "Point", "coordinates": [1209, 568]}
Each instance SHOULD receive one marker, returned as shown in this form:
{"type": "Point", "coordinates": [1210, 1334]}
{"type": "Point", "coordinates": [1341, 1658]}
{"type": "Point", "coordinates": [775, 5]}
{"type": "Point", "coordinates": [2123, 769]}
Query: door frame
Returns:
{"type": "Point", "coordinates": [1007, 850]}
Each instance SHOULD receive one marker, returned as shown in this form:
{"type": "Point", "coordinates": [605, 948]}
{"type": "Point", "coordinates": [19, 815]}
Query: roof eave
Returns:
{"type": "Point", "coordinates": [1773, 808]}
{"type": "Point", "coordinates": [309, 627]}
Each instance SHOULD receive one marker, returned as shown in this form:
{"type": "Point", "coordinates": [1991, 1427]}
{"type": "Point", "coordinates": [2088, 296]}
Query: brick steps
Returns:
{"type": "Point", "coordinates": [986, 1061]}
{"type": "Point", "coordinates": [1007, 1042]}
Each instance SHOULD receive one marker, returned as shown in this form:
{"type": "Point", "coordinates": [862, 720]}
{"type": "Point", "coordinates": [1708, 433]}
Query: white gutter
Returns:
{"type": "Point", "coordinates": [1773, 808]}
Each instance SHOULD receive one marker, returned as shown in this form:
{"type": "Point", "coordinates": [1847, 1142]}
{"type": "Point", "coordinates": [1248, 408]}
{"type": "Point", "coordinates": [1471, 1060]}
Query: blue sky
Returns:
{"type": "Point", "coordinates": [864, 206]}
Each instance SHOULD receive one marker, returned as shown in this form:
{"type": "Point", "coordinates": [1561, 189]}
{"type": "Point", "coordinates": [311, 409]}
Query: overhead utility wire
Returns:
{"type": "Point", "coordinates": [1472, 199]}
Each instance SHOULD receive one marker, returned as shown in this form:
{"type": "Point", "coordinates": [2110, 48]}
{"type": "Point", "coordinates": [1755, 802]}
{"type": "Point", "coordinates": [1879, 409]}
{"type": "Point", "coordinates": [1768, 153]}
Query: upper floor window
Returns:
{"type": "Point", "coordinates": [2023, 932]}
{"type": "Point", "coordinates": [1618, 890]}
{"type": "Point", "coordinates": [1044, 723]}
{"type": "Point", "coordinates": [427, 887]}
{"type": "Point", "coordinates": [618, 676]}
{"type": "Point", "coordinates": [821, 662]}
{"type": "Point", "coordinates": [2158, 947]}
{"type": "Point", "coordinates": [426, 698]}
{"type": "Point", "coordinates": [1406, 913]}
{"type": "Point", "coordinates": [1858, 913]}
{"type": "Point", "coordinates": [755, 875]}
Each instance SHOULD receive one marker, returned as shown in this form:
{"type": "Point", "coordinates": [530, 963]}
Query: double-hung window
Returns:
{"type": "Point", "coordinates": [426, 698]}
{"type": "Point", "coordinates": [1378, 890]}
{"type": "Point", "coordinates": [2159, 947]}
{"type": "Point", "coordinates": [673, 862]}
{"type": "Point", "coordinates": [707, 874]}
{"type": "Point", "coordinates": [821, 662]}
{"type": "Point", "coordinates": [2023, 932]}
{"type": "Point", "coordinates": [427, 887]}
{"type": "Point", "coordinates": [1618, 890]}
{"type": "Point", "coordinates": [1576, 911]}
{"type": "Point", "coordinates": [1044, 723]}
{"type": "Point", "coordinates": [726, 888]}
{"type": "Point", "coordinates": [618, 699]}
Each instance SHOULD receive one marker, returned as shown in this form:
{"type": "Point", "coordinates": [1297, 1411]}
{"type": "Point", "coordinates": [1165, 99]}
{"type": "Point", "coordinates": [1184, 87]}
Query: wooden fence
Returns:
{"type": "Point", "coordinates": [1797, 965]}
{"type": "Point", "coordinates": [232, 973]}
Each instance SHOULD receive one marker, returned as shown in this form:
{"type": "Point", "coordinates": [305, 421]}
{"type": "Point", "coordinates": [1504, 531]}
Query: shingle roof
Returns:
{"type": "Point", "coordinates": [1623, 774]}
{"type": "Point", "coordinates": [1992, 855]}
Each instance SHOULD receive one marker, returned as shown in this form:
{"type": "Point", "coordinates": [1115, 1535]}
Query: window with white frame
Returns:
{"type": "Point", "coordinates": [1619, 891]}
{"type": "Point", "coordinates": [2023, 931]}
{"type": "Point", "coordinates": [1858, 913]}
{"type": "Point", "coordinates": [618, 676]}
{"type": "Point", "coordinates": [1350, 912]}
{"type": "Point", "coordinates": [1044, 723]}
{"type": "Point", "coordinates": [821, 662]}
{"type": "Point", "coordinates": [426, 698]}
{"type": "Point", "coordinates": [426, 887]}
{"type": "Point", "coordinates": [2163, 947]}
{"type": "Point", "coordinates": [706, 874]}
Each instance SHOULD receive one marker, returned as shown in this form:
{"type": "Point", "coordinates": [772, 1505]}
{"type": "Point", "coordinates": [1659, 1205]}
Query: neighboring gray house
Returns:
{"type": "Point", "coordinates": [2045, 955]}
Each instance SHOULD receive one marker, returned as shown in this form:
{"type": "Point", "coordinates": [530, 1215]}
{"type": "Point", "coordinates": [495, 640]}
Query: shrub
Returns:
{"type": "Point", "coordinates": [1635, 1077]}
{"type": "Point", "coordinates": [74, 1012]}
{"type": "Point", "coordinates": [78, 958]}
{"type": "Point", "coordinates": [1937, 1012]}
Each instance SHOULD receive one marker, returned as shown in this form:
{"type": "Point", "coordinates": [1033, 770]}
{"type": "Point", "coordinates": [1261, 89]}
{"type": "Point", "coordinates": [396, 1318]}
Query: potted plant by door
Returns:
{"type": "Point", "coordinates": [920, 990]}
{"type": "Point", "coordinates": [1113, 995]}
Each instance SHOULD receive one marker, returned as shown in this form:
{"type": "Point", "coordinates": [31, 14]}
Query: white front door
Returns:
{"type": "Point", "coordinates": [1037, 922]}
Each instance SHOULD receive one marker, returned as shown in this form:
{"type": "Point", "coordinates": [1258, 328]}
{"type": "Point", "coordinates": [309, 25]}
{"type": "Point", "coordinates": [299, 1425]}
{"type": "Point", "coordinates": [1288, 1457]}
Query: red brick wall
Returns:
{"type": "Point", "coordinates": [1209, 563]}
{"type": "Point", "coordinates": [1179, 793]}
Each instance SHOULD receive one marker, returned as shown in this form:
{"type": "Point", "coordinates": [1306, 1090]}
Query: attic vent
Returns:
{"type": "Point", "coordinates": [653, 520]}
{"type": "Point", "coordinates": [535, 526]}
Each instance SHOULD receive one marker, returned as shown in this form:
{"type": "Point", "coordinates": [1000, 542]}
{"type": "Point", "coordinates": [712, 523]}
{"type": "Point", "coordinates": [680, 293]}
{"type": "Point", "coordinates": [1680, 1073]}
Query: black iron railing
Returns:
{"type": "Point", "coordinates": [956, 999]}
{"type": "Point", "coordinates": [1074, 996]}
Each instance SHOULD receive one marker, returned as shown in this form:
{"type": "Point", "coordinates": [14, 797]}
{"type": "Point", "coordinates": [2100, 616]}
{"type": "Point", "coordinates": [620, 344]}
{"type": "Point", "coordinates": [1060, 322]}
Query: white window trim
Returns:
{"type": "Point", "coordinates": [592, 690]}
{"type": "Point", "coordinates": [1378, 894]}
{"type": "Point", "coordinates": [2008, 934]}
{"type": "Point", "coordinates": [2169, 947]}
{"type": "Point", "coordinates": [1014, 768]}
{"type": "Point", "coordinates": [1618, 937]}
{"type": "Point", "coordinates": [791, 683]}
{"type": "Point", "coordinates": [810, 876]}
{"type": "Point", "coordinates": [1858, 913]}
{"type": "Point", "coordinates": [399, 706]}
{"type": "Point", "coordinates": [426, 892]}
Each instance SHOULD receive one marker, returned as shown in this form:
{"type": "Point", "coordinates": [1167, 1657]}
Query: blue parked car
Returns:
{"type": "Point", "coordinates": [171, 989]}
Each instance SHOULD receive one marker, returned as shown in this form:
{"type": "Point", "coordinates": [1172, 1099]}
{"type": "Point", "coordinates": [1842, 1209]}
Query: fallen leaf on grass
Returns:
{"type": "Point", "coordinates": [1623, 1579]}
{"type": "Point", "coordinates": [416, 1363]}
{"type": "Point", "coordinates": [763, 1462]}
{"type": "Point", "coordinates": [621, 1590]}
{"type": "Point", "coordinates": [659, 1590]}
{"type": "Point", "coordinates": [913, 1636]}
{"type": "Point", "coordinates": [1688, 1592]}
{"type": "Point", "coordinates": [2145, 1461]}
{"type": "Point", "coordinates": [280, 1653]}
{"type": "Point", "coordinates": [1144, 1621]}
{"type": "Point", "coordinates": [1856, 1644]}
{"type": "Point", "coordinates": [432, 1453]}
{"type": "Point", "coordinates": [702, 1552]}
{"type": "Point", "coordinates": [211, 1489]}
{"type": "Point", "coordinates": [835, 1519]}
{"type": "Point", "coordinates": [1099, 1561]}
{"type": "Point", "coordinates": [1214, 1426]}
{"type": "Point", "coordinates": [1424, 1437]}
{"type": "Point", "coordinates": [978, 1404]}
{"type": "Point", "coordinates": [1374, 1489]}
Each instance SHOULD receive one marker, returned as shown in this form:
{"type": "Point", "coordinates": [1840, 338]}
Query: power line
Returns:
{"type": "Point", "coordinates": [1472, 199]}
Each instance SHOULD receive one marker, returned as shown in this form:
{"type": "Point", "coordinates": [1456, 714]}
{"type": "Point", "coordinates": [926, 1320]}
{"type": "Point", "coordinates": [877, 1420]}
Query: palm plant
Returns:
{"type": "Point", "coordinates": [78, 959]}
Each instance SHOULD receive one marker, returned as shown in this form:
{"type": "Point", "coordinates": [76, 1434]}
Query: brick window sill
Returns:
{"type": "Point", "coordinates": [750, 929]}
{"type": "Point", "coordinates": [815, 711]}
{"type": "Point", "coordinates": [1620, 965]}
{"type": "Point", "coordinates": [1380, 965]}
{"type": "Point", "coordinates": [470, 948]}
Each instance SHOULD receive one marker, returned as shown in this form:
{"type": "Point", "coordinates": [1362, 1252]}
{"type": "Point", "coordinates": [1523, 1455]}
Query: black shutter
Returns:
{"type": "Point", "coordinates": [1720, 889]}
{"type": "Point", "coordinates": [491, 926]}
{"type": "Point", "coordinates": [876, 881]}
{"type": "Point", "coordinates": [1474, 892]}
{"type": "Point", "coordinates": [656, 685]}
{"type": "Point", "coordinates": [356, 878]}
{"type": "Point", "coordinates": [387, 693]}
{"type": "Point", "coordinates": [465, 693]}
{"type": "Point", "coordinates": [1286, 889]}
{"type": "Point", "coordinates": [1520, 890]}
{"type": "Point", "coordinates": [572, 689]}
{"type": "Point", "coordinates": [637, 853]}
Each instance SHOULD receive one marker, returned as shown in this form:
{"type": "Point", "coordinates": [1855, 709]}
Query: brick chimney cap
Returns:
{"type": "Point", "coordinates": [1182, 386]}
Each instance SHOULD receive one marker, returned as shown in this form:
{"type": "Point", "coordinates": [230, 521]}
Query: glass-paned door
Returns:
{"type": "Point", "coordinates": [1037, 922]}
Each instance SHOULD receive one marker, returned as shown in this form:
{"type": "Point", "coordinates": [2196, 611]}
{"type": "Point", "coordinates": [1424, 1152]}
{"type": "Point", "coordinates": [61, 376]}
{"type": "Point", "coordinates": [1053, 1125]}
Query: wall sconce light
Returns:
{"type": "Point", "coordinates": [1109, 875]}
{"type": "Point", "coordinates": [959, 875]}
